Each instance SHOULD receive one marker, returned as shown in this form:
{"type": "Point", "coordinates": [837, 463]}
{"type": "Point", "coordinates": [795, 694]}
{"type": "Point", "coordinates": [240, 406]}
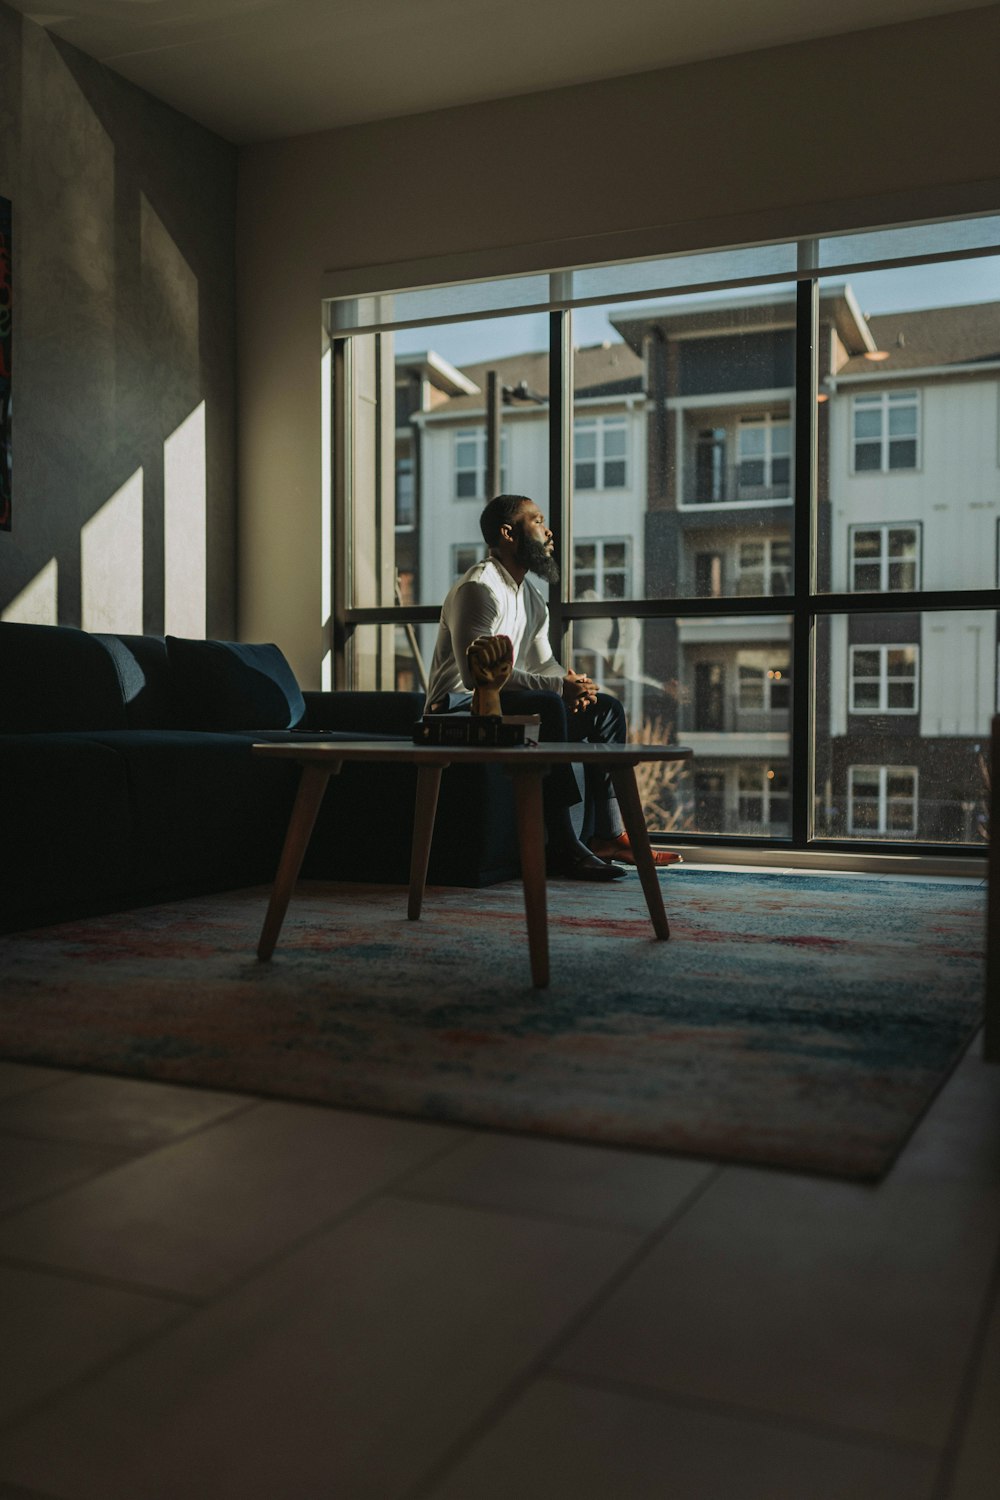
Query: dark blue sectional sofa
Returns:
{"type": "Point", "coordinates": [127, 777]}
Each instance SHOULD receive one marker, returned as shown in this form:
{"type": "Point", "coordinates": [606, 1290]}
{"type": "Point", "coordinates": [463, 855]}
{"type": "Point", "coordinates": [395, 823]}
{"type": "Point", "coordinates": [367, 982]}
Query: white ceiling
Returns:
{"type": "Point", "coordinates": [256, 70]}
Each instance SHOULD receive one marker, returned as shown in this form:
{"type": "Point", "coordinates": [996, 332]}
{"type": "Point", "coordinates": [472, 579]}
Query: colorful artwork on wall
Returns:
{"type": "Point", "coordinates": [6, 315]}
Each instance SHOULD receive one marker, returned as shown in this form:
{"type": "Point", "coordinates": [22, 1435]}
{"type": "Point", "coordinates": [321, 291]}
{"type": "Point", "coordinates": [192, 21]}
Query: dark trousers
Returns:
{"type": "Point", "coordinates": [601, 722]}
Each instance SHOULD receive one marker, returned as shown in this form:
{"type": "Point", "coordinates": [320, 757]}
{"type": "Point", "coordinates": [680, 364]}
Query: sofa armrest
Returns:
{"type": "Point", "coordinates": [363, 713]}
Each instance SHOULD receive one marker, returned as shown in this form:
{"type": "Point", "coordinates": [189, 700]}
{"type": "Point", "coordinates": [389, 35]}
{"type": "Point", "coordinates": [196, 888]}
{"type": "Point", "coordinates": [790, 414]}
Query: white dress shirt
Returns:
{"type": "Point", "coordinates": [487, 601]}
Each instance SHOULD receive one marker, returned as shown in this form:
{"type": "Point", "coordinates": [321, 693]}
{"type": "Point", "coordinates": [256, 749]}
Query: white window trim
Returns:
{"type": "Point", "coordinates": [883, 648]}
{"type": "Point", "coordinates": [767, 567]}
{"type": "Point", "coordinates": [765, 791]}
{"type": "Point", "coordinates": [884, 527]}
{"type": "Point", "coordinates": [599, 570]}
{"type": "Point", "coordinates": [883, 470]}
{"type": "Point", "coordinates": [884, 772]}
{"type": "Point", "coordinates": [599, 425]}
{"type": "Point", "coordinates": [767, 421]}
{"type": "Point", "coordinates": [478, 435]}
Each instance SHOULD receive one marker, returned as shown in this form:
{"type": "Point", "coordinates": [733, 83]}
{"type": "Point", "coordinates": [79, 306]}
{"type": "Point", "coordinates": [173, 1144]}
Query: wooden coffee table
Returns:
{"type": "Point", "coordinates": [526, 764]}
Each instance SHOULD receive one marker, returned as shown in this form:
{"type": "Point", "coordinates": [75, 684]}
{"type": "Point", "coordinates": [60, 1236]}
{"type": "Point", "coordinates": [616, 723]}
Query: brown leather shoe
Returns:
{"type": "Point", "coordinates": [621, 849]}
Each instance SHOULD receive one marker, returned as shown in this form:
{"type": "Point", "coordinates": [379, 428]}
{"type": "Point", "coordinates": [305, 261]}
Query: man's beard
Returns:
{"type": "Point", "coordinates": [536, 558]}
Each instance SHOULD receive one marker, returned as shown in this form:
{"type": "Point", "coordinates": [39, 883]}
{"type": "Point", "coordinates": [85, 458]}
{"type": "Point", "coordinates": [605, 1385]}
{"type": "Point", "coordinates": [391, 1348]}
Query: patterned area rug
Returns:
{"type": "Point", "coordinates": [795, 1020]}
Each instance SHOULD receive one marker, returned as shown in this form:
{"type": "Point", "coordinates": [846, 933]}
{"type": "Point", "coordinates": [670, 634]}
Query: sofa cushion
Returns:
{"type": "Point", "coordinates": [54, 677]}
{"type": "Point", "coordinates": [147, 687]}
{"type": "Point", "coordinates": [224, 685]}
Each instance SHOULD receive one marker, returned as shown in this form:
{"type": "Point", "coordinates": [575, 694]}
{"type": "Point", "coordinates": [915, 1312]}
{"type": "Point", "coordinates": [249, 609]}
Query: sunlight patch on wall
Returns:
{"type": "Point", "coordinates": [38, 601]}
{"type": "Point", "coordinates": [111, 563]}
{"type": "Point", "coordinates": [185, 525]}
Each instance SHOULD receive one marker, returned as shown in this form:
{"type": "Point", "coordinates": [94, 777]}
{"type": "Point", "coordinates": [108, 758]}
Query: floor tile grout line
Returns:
{"type": "Point", "coordinates": [191, 1306]}
{"type": "Point", "coordinates": [536, 1215]}
{"type": "Point", "coordinates": [108, 1283]}
{"type": "Point", "coordinates": [37, 1407]}
{"type": "Point", "coordinates": [424, 1487]}
{"type": "Point", "coordinates": [197, 1302]}
{"type": "Point", "coordinates": [760, 1416]}
{"type": "Point", "coordinates": [134, 1153]}
{"type": "Point", "coordinates": [127, 1158]}
{"type": "Point", "coordinates": [335, 1221]}
{"type": "Point", "coordinates": [965, 1399]}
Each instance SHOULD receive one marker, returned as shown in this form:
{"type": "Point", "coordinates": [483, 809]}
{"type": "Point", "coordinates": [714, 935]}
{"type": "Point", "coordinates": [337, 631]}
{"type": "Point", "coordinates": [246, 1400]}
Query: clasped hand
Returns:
{"type": "Point", "coordinates": [578, 691]}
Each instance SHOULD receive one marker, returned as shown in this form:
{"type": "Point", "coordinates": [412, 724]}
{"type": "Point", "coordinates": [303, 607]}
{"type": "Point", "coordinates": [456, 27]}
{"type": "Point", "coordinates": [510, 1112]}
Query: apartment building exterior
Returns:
{"type": "Point", "coordinates": [683, 487]}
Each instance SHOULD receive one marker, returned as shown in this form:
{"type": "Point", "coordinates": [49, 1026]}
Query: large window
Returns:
{"type": "Point", "coordinates": [772, 473]}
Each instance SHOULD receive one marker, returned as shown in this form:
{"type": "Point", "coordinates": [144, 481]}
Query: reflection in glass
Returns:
{"type": "Point", "coordinates": [722, 686]}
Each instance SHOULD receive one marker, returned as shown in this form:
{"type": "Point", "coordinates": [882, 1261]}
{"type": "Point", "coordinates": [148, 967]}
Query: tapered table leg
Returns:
{"type": "Point", "coordinates": [428, 786]}
{"type": "Point", "coordinates": [630, 803]}
{"type": "Point", "coordinates": [531, 842]}
{"type": "Point", "coordinates": [312, 785]}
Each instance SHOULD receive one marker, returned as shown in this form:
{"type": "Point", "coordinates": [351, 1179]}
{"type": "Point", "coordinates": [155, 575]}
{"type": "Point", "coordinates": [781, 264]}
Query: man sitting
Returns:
{"type": "Point", "coordinates": [494, 598]}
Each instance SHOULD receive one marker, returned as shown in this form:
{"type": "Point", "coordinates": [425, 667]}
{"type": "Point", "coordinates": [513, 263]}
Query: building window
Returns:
{"type": "Point", "coordinates": [764, 686]}
{"type": "Point", "coordinates": [885, 559]}
{"type": "Point", "coordinates": [764, 457]}
{"type": "Point", "coordinates": [884, 679]}
{"type": "Point", "coordinates": [764, 799]}
{"type": "Point", "coordinates": [465, 555]}
{"type": "Point", "coordinates": [470, 463]}
{"type": "Point", "coordinates": [599, 453]}
{"type": "Point", "coordinates": [885, 431]}
{"type": "Point", "coordinates": [882, 800]}
{"type": "Point", "coordinates": [601, 569]}
{"type": "Point", "coordinates": [764, 567]}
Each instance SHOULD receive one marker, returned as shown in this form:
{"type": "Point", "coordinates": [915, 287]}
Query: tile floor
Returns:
{"type": "Point", "coordinates": [213, 1297]}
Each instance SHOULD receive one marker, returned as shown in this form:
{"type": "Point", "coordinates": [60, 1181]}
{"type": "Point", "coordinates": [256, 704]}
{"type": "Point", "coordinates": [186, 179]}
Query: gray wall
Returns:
{"type": "Point", "coordinates": [123, 234]}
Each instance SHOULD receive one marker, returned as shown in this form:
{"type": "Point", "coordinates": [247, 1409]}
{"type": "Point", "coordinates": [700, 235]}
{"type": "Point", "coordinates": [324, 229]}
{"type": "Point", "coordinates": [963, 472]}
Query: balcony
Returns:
{"type": "Point", "coordinates": [718, 726]}
{"type": "Point", "coordinates": [727, 483]}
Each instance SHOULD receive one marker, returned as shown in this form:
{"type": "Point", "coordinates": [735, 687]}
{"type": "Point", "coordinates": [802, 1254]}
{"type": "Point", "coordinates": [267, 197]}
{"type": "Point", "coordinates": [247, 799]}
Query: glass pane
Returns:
{"type": "Point", "coordinates": [703, 683]}
{"type": "Point", "coordinates": [424, 391]}
{"type": "Point", "coordinates": [923, 456]}
{"type": "Point", "coordinates": [388, 658]}
{"type": "Point", "coordinates": [697, 393]}
{"type": "Point", "coordinates": [915, 766]}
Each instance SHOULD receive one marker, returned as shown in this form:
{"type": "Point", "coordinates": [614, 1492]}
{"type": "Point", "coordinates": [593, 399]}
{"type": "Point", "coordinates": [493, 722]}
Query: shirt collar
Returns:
{"type": "Point", "coordinates": [505, 576]}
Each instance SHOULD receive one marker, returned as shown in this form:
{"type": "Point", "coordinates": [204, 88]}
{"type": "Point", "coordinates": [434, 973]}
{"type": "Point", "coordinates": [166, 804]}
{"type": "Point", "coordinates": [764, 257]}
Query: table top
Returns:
{"type": "Point", "coordinates": [316, 752]}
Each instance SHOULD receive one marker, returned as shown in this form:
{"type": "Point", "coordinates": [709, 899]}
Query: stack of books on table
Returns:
{"type": "Point", "coordinates": [477, 729]}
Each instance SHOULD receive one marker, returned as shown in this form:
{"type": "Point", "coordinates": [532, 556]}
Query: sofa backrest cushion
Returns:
{"type": "Point", "coordinates": [54, 677]}
{"type": "Point", "coordinates": [145, 680]}
{"type": "Point", "coordinates": [229, 685]}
